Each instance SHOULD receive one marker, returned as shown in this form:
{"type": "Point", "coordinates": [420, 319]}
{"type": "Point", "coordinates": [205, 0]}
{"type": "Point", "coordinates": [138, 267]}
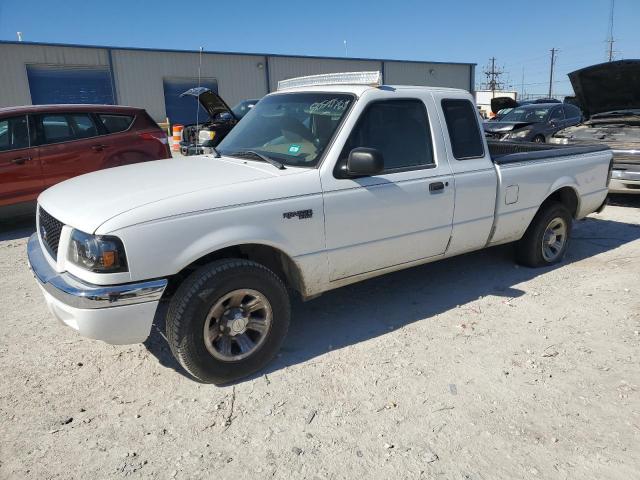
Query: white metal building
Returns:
{"type": "Point", "coordinates": [38, 73]}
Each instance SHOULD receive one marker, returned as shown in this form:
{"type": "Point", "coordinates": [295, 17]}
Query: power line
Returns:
{"type": "Point", "coordinates": [553, 61]}
{"type": "Point", "coordinates": [610, 40]}
{"type": "Point", "coordinates": [492, 75]}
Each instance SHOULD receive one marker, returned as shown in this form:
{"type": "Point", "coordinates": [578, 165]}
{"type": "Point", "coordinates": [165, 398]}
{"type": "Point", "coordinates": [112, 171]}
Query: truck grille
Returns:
{"type": "Point", "coordinates": [50, 229]}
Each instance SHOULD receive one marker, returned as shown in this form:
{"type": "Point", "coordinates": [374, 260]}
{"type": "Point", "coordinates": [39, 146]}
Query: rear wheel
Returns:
{"type": "Point", "coordinates": [545, 241]}
{"type": "Point", "coordinates": [228, 320]}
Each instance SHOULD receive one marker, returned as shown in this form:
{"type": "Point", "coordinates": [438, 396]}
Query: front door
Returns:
{"type": "Point", "coordinates": [403, 214]}
{"type": "Point", "coordinates": [20, 173]}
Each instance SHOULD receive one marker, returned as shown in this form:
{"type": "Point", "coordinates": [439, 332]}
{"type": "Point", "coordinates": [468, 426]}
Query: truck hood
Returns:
{"type": "Point", "coordinates": [607, 87]}
{"type": "Point", "coordinates": [210, 101]}
{"type": "Point", "coordinates": [622, 139]}
{"type": "Point", "coordinates": [498, 127]}
{"type": "Point", "coordinates": [88, 201]}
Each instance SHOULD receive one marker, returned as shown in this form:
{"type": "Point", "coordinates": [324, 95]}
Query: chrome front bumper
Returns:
{"type": "Point", "coordinates": [624, 181]}
{"type": "Point", "coordinates": [118, 314]}
{"type": "Point", "coordinates": [78, 294]}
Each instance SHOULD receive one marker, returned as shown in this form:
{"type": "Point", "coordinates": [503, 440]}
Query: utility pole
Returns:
{"type": "Point", "coordinates": [553, 61]}
{"type": "Point", "coordinates": [522, 84]}
{"type": "Point", "coordinates": [610, 40]}
{"type": "Point", "coordinates": [492, 74]}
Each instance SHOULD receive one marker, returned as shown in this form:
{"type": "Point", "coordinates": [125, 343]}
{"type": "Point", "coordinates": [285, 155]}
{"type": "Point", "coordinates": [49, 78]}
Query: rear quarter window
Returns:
{"type": "Point", "coordinates": [463, 127]}
{"type": "Point", "coordinates": [115, 123]}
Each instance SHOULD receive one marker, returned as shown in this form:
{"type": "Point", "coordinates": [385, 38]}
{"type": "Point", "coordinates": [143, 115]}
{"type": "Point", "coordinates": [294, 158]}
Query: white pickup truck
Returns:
{"type": "Point", "coordinates": [331, 180]}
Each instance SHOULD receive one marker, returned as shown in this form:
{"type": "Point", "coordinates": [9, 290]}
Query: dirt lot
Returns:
{"type": "Point", "coordinates": [471, 368]}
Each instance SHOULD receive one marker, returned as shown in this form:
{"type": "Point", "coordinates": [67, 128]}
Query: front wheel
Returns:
{"type": "Point", "coordinates": [228, 320]}
{"type": "Point", "coordinates": [545, 241]}
{"type": "Point", "coordinates": [539, 139]}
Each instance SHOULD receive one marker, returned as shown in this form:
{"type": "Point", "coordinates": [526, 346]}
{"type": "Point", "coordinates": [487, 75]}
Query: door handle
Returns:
{"type": "Point", "coordinates": [20, 160]}
{"type": "Point", "coordinates": [97, 148]}
{"type": "Point", "coordinates": [436, 186]}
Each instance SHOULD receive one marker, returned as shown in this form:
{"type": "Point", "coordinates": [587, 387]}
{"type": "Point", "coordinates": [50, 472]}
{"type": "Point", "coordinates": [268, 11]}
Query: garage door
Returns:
{"type": "Point", "coordinates": [64, 84]}
{"type": "Point", "coordinates": [183, 110]}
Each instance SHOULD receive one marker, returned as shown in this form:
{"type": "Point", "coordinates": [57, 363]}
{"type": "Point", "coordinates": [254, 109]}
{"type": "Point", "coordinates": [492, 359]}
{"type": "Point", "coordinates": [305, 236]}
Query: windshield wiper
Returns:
{"type": "Point", "coordinates": [617, 113]}
{"type": "Point", "coordinates": [264, 158]}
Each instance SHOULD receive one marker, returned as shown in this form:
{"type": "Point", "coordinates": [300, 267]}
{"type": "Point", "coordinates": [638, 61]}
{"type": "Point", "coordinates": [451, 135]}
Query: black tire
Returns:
{"type": "Point", "coordinates": [529, 250]}
{"type": "Point", "coordinates": [539, 139]}
{"type": "Point", "coordinates": [194, 299]}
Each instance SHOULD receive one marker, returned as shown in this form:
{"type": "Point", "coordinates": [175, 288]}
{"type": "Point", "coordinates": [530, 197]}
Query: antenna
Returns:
{"type": "Point", "coordinates": [198, 100]}
{"type": "Point", "coordinates": [610, 40]}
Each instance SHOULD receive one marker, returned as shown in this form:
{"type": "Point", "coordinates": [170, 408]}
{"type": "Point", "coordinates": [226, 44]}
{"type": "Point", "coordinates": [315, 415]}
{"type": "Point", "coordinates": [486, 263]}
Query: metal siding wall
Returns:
{"type": "Point", "coordinates": [139, 76]}
{"type": "Point", "coordinates": [13, 73]}
{"type": "Point", "coordinates": [281, 68]}
{"type": "Point", "coordinates": [428, 74]}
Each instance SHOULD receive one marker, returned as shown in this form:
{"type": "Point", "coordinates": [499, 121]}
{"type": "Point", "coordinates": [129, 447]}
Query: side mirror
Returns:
{"type": "Point", "coordinates": [364, 162]}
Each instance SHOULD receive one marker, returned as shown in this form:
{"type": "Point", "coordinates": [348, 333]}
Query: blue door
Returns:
{"type": "Point", "coordinates": [56, 84]}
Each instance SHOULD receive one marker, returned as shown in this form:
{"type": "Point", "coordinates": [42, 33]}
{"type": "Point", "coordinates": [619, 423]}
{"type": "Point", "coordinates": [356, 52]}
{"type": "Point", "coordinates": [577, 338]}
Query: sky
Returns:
{"type": "Point", "coordinates": [519, 34]}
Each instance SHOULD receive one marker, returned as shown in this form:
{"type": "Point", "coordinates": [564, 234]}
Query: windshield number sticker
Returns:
{"type": "Point", "coordinates": [294, 149]}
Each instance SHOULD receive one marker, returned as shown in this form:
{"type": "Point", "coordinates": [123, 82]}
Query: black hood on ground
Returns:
{"type": "Point", "coordinates": [607, 86]}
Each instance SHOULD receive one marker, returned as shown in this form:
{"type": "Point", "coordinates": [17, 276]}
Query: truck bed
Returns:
{"type": "Point", "coordinates": [511, 152]}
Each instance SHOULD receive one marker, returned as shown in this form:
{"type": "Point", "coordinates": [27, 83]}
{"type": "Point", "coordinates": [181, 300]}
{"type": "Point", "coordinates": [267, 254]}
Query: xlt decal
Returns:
{"type": "Point", "coordinates": [301, 214]}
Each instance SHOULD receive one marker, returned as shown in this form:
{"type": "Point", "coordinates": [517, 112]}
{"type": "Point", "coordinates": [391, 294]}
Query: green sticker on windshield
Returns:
{"type": "Point", "coordinates": [293, 148]}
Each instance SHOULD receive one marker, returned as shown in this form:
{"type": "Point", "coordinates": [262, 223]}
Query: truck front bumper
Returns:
{"type": "Point", "coordinates": [118, 314]}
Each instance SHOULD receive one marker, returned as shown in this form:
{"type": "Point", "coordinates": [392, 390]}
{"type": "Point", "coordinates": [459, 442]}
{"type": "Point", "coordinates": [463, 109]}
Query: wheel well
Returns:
{"type": "Point", "coordinates": [275, 260]}
{"type": "Point", "coordinates": [565, 195]}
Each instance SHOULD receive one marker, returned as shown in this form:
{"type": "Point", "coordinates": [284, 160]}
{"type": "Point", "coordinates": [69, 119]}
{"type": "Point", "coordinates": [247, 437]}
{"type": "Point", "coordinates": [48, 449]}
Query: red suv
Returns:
{"type": "Point", "coordinates": [42, 145]}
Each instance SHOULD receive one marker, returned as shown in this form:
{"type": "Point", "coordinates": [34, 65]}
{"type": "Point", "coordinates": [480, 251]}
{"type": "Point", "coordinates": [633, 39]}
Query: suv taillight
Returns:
{"type": "Point", "coordinates": [157, 135]}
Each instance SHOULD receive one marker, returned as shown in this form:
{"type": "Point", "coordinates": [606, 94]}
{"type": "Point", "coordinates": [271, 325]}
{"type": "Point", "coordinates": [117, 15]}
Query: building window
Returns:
{"type": "Point", "coordinates": [63, 84]}
{"type": "Point", "coordinates": [185, 110]}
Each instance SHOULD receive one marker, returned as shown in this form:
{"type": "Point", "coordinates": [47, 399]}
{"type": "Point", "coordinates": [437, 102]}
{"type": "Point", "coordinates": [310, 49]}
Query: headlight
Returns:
{"type": "Point", "coordinates": [559, 140]}
{"type": "Point", "coordinates": [205, 135]}
{"type": "Point", "coordinates": [519, 134]}
{"type": "Point", "coordinates": [97, 253]}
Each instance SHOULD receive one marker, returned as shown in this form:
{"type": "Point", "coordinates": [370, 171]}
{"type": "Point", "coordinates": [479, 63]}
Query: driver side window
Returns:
{"type": "Point", "coordinates": [556, 115]}
{"type": "Point", "coordinates": [399, 129]}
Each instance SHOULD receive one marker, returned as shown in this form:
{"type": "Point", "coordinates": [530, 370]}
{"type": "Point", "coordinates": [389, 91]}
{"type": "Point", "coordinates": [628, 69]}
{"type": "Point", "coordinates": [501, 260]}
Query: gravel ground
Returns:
{"type": "Point", "coordinates": [470, 368]}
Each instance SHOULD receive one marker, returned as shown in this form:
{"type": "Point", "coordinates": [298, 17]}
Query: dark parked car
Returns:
{"type": "Point", "coordinates": [42, 145]}
{"type": "Point", "coordinates": [533, 122]}
{"type": "Point", "coordinates": [199, 138]}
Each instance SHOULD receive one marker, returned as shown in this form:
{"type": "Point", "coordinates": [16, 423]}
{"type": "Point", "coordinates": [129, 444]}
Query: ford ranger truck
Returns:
{"type": "Point", "coordinates": [331, 180]}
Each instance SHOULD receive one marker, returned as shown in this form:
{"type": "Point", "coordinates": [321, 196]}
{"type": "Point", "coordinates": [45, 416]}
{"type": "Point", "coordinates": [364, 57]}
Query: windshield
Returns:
{"type": "Point", "coordinates": [531, 114]}
{"type": "Point", "coordinates": [293, 128]}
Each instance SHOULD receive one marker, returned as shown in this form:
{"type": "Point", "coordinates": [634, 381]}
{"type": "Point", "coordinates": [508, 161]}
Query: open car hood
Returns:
{"type": "Point", "coordinates": [210, 101]}
{"type": "Point", "coordinates": [607, 86]}
{"type": "Point", "coordinates": [500, 103]}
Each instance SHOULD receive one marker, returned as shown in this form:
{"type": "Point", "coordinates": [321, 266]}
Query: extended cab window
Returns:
{"type": "Point", "coordinates": [14, 133]}
{"type": "Point", "coordinates": [399, 129]}
{"type": "Point", "coordinates": [464, 132]}
{"type": "Point", "coordinates": [115, 123]}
